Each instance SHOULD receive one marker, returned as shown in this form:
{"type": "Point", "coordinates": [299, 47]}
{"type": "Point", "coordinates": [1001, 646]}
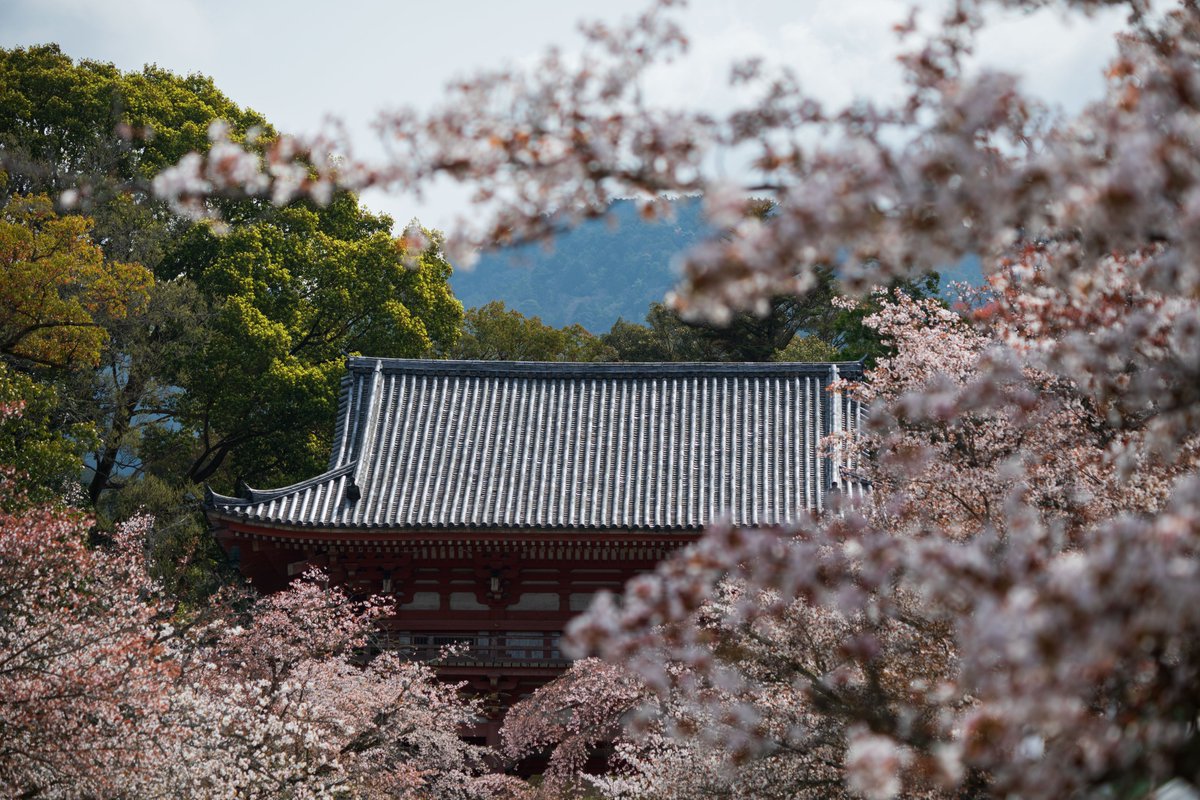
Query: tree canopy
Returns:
{"type": "Point", "coordinates": [85, 125]}
{"type": "Point", "coordinates": [177, 351]}
{"type": "Point", "coordinates": [495, 333]}
{"type": "Point", "coordinates": [57, 288]}
{"type": "Point", "coordinates": [291, 293]}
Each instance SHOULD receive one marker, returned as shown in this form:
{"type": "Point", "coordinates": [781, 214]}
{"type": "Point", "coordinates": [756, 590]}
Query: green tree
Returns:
{"type": "Point", "coordinates": [292, 291]}
{"type": "Point", "coordinates": [227, 364]}
{"type": "Point", "coordinates": [807, 348]}
{"type": "Point", "coordinates": [100, 134]}
{"type": "Point", "coordinates": [134, 393]}
{"type": "Point", "coordinates": [38, 441]}
{"type": "Point", "coordinates": [495, 333]}
{"type": "Point", "coordinates": [808, 328]}
{"type": "Point", "coordinates": [231, 369]}
{"type": "Point", "coordinates": [57, 291]}
{"type": "Point", "coordinates": [664, 337]}
{"type": "Point", "coordinates": [56, 285]}
{"type": "Point", "coordinates": [87, 131]}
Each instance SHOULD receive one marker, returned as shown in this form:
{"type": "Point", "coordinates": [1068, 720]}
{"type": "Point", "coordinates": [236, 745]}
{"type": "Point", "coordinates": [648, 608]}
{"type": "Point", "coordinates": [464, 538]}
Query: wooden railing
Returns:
{"type": "Point", "coordinates": [499, 648]}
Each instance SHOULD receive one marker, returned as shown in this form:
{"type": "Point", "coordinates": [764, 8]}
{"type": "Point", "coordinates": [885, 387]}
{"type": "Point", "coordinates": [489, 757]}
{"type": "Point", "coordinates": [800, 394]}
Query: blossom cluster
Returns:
{"type": "Point", "coordinates": [1010, 611]}
{"type": "Point", "coordinates": [108, 690]}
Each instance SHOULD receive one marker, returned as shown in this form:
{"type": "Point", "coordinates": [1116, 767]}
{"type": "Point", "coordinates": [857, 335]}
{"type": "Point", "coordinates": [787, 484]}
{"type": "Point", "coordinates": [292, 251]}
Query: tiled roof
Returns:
{"type": "Point", "coordinates": [423, 445]}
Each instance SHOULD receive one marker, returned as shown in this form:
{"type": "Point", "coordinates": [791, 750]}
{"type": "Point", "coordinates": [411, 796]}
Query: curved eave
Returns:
{"type": "Point", "coordinates": [213, 499]}
{"type": "Point", "coordinates": [382, 535]}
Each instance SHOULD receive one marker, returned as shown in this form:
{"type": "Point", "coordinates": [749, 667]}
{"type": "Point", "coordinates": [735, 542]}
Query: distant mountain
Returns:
{"type": "Point", "coordinates": [595, 273]}
{"type": "Point", "coordinates": [600, 271]}
{"type": "Point", "coordinates": [968, 270]}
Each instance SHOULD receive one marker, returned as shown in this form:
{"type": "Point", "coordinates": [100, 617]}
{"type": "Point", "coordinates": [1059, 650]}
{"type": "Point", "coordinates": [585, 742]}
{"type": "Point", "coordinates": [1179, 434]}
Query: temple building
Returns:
{"type": "Point", "coordinates": [492, 500]}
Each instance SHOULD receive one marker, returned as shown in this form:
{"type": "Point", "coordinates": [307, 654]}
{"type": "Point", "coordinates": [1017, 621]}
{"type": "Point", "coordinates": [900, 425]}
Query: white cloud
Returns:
{"type": "Point", "coordinates": [298, 61]}
{"type": "Point", "coordinates": [1061, 59]}
{"type": "Point", "coordinates": [127, 32]}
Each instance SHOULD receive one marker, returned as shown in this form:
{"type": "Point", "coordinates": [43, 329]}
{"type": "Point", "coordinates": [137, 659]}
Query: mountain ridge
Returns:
{"type": "Point", "coordinates": [606, 269]}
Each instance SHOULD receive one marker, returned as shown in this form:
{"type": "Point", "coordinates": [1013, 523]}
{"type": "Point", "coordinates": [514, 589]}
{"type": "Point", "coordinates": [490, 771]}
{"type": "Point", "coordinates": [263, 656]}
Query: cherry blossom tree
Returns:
{"type": "Point", "coordinates": [1010, 612]}
{"type": "Point", "coordinates": [966, 632]}
{"type": "Point", "coordinates": [607, 732]}
{"type": "Point", "coordinates": [572, 716]}
{"type": "Point", "coordinates": [289, 705]}
{"type": "Point", "coordinates": [84, 654]}
{"type": "Point", "coordinates": [108, 690]}
{"type": "Point", "coordinates": [1013, 609]}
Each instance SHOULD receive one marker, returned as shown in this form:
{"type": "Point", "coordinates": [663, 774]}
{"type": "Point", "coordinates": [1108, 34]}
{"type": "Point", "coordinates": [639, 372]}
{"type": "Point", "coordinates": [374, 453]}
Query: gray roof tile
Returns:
{"type": "Point", "coordinates": [504, 445]}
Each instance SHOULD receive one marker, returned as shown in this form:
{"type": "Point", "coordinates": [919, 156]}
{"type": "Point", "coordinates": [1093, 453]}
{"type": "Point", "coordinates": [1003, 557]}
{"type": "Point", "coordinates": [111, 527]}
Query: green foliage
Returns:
{"type": "Point", "coordinates": [292, 292]}
{"type": "Point", "coordinates": [135, 393]}
{"type": "Point", "coordinates": [808, 328]}
{"type": "Point", "coordinates": [88, 127]}
{"type": "Point", "coordinates": [664, 337]}
{"type": "Point", "coordinates": [42, 445]}
{"type": "Point", "coordinates": [807, 349]}
{"type": "Point", "coordinates": [231, 368]}
{"type": "Point", "coordinates": [65, 123]}
{"type": "Point", "coordinates": [56, 285]}
{"type": "Point", "coordinates": [496, 333]}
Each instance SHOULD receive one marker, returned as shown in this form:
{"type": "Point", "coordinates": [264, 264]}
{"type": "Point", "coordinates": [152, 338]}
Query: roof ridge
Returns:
{"type": "Point", "coordinates": [366, 445]}
{"type": "Point", "coordinates": [550, 369]}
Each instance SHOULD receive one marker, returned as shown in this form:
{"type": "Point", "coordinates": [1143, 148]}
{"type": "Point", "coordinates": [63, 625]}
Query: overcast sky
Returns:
{"type": "Point", "coordinates": [300, 60]}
